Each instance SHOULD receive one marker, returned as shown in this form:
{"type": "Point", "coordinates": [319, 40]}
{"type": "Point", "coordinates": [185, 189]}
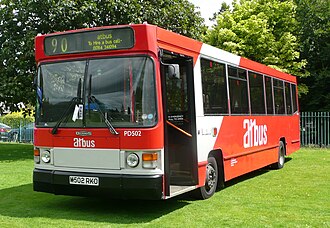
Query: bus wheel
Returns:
{"type": "Point", "coordinates": [211, 180]}
{"type": "Point", "coordinates": [281, 157]}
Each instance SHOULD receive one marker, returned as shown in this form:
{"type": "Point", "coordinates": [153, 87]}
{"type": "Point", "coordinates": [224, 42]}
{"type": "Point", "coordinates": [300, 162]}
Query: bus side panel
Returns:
{"type": "Point", "coordinates": [251, 142]}
{"type": "Point", "coordinates": [240, 165]}
{"type": "Point", "coordinates": [201, 173]}
{"type": "Point", "coordinates": [207, 129]}
{"type": "Point", "coordinates": [293, 140]}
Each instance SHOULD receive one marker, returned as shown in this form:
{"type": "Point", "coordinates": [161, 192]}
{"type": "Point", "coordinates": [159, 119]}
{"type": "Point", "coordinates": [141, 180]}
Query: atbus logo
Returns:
{"type": "Point", "coordinates": [80, 142]}
{"type": "Point", "coordinates": [255, 135]}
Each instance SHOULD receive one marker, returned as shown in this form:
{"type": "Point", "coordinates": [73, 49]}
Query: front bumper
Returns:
{"type": "Point", "coordinates": [110, 185]}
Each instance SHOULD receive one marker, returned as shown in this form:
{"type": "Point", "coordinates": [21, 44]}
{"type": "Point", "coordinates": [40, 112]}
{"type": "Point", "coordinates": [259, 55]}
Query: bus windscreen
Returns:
{"type": "Point", "coordinates": [89, 41]}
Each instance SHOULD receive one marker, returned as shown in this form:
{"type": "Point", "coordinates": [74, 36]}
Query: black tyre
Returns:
{"type": "Point", "coordinates": [281, 157]}
{"type": "Point", "coordinates": [211, 180]}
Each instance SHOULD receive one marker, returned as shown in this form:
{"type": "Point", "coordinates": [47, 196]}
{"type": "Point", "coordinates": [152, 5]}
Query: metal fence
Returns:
{"type": "Point", "coordinates": [22, 133]}
{"type": "Point", "coordinates": [315, 129]}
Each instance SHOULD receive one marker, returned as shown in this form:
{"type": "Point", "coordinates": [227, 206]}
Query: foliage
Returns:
{"type": "Point", "coordinates": [15, 119]}
{"type": "Point", "coordinates": [224, 7]}
{"type": "Point", "coordinates": [314, 31]}
{"type": "Point", "coordinates": [295, 196]}
{"type": "Point", "coordinates": [22, 20]}
{"type": "Point", "coordinates": [261, 30]}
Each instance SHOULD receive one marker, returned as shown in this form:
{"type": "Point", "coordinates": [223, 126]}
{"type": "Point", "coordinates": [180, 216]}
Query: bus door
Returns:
{"type": "Point", "coordinates": [181, 171]}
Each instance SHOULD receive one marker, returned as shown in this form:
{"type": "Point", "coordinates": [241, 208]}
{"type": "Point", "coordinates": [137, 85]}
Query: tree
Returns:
{"type": "Point", "coordinates": [224, 7]}
{"type": "Point", "coordinates": [314, 32]}
{"type": "Point", "coordinates": [15, 119]}
{"type": "Point", "coordinates": [261, 30]}
{"type": "Point", "coordinates": [22, 20]}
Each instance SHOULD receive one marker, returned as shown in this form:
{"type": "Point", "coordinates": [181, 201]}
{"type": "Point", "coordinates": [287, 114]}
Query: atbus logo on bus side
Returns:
{"type": "Point", "coordinates": [255, 135]}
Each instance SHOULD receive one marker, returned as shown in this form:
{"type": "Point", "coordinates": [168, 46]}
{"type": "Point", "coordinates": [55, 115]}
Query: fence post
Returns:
{"type": "Point", "coordinates": [328, 128]}
{"type": "Point", "coordinates": [20, 130]}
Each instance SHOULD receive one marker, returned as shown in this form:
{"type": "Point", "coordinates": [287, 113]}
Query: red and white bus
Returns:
{"type": "Point", "coordinates": [136, 111]}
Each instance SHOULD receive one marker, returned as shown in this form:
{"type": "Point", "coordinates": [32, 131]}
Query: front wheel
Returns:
{"type": "Point", "coordinates": [211, 180]}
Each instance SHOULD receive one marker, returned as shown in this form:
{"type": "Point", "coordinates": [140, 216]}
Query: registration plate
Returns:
{"type": "Point", "coordinates": [93, 181]}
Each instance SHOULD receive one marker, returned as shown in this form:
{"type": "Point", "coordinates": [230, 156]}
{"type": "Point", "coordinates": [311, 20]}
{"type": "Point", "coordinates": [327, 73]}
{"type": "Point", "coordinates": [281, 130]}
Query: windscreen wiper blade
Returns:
{"type": "Point", "coordinates": [75, 101]}
{"type": "Point", "coordinates": [106, 121]}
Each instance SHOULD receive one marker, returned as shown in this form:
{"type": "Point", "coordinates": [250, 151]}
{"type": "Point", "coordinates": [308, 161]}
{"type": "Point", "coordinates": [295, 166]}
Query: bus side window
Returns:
{"type": "Point", "coordinates": [294, 98]}
{"type": "Point", "coordinates": [269, 95]}
{"type": "Point", "coordinates": [279, 96]}
{"type": "Point", "coordinates": [288, 98]}
{"type": "Point", "coordinates": [238, 90]}
{"type": "Point", "coordinates": [256, 93]}
{"type": "Point", "coordinates": [214, 87]}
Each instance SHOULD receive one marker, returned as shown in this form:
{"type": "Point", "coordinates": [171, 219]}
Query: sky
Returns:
{"type": "Point", "coordinates": [208, 8]}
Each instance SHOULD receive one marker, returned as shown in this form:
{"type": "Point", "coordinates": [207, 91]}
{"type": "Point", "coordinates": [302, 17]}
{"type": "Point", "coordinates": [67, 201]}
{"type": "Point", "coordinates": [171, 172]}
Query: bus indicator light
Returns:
{"type": "Point", "coordinates": [149, 160]}
{"type": "Point", "coordinates": [149, 157]}
{"type": "Point", "coordinates": [36, 153]}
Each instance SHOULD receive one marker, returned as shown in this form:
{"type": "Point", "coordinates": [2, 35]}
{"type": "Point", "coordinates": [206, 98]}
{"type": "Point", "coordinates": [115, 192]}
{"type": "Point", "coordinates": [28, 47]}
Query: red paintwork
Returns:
{"type": "Point", "coordinates": [151, 138]}
{"type": "Point", "coordinates": [231, 136]}
{"type": "Point", "coordinates": [201, 173]}
{"type": "Point", "coordinates": [255, 66]}
{"type": "Point", "coordinates": [178, 44]}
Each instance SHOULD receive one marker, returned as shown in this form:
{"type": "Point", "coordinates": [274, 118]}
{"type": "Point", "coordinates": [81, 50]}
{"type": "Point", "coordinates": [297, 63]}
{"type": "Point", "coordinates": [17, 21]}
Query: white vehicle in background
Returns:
{"type": "Point", "coordinates": [4, 132]}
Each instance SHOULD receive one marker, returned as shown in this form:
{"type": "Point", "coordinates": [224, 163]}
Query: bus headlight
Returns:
{"type": "Point", "coordinates": [132, 160]}
{"type": "Point", "coordinates": [45, 156]}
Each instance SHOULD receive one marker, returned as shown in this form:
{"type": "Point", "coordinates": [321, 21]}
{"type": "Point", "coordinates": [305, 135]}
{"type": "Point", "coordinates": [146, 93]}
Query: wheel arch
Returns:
{"type": "Point", "coordinates": [218, 155]}
{"type": "Point", "coordinates": [282, 139]}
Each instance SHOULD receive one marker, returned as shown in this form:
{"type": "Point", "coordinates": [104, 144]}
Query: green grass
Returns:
{"type": "Point", "coordinates": [296, 196]}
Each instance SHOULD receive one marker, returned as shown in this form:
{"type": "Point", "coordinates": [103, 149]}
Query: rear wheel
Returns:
{"type": "Point", "coordinates": [281, 157]}
{"type": "Point", "coordinates": [211, 180]}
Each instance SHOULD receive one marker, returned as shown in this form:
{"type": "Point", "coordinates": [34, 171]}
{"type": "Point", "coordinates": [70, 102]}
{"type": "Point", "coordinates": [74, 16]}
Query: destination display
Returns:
{"type": "Point", "coordinates": [89, 41]}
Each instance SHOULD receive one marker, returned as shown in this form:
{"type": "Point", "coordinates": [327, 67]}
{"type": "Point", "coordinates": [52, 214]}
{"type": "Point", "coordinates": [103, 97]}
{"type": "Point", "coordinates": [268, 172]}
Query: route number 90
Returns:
{"type": "Point", "coordinates": [62, 44]}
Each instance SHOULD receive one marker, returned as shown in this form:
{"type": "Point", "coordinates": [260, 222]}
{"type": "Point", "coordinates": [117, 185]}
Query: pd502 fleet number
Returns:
{"type": "Point", "coordinates": [133, 133]}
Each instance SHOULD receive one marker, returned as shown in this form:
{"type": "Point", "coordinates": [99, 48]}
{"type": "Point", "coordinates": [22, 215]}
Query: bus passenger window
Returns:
{"type": "Point", "coordinates": [256, 93]}
{"type": "Point", "coordinates": [214, 87]}
{"type": "Point", "coordinates": [278, 96]}
{"type": "Point", "coordinates": [288, 98]}
{"type": "Point", "coordinates": [294, 98]}
{"type": "Point", "coordinates": [269, 95]}
{"type": "Point", "coordinates": [238, 90]}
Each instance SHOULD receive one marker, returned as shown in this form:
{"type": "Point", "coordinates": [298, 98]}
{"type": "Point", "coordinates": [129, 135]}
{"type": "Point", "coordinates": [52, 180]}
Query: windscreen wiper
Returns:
{"type": "Point", "coordinates": [74, 101]}
{"type": "Point", "coordinates": [106, 121]}
{"type": "Point", "coordinates": [65, 114]}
